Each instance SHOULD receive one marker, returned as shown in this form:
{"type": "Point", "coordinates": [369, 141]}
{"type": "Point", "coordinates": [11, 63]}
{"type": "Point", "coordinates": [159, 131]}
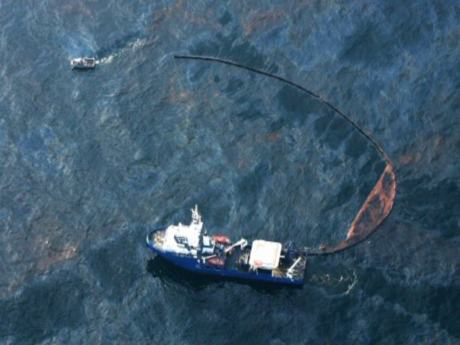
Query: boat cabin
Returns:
{"type": "Point", "coordinates": [218, 251]}
{"type": "Point", "coordinates": [83, 63]}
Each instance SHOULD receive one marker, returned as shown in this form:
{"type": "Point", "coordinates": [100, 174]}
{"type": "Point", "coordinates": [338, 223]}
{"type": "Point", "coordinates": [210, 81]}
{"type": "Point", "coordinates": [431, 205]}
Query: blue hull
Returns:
{"type": "Point", "coordinates": [194, 265]}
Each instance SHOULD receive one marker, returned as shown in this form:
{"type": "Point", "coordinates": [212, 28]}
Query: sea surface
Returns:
{"type": "Point", "coordinates": [92, 161]}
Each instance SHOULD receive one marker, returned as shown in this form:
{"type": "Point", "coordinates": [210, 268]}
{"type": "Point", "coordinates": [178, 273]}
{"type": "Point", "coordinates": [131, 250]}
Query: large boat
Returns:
{"type": "Point", "coordinates": [83, 63]}
{"type": "Point", "coordinates": [191, 248]}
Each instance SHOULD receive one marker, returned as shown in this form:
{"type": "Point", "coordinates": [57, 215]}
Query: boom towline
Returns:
{"type": "Point", "coordinates": [377, 146]}
{"type": "Point", "coordinates": [380, 200]}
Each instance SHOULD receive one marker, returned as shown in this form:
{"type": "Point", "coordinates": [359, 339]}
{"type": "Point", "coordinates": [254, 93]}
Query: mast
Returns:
{"type": "Point", "coordinates": [197, 222]}
{"type": "Point", "coordinates": [196, 217]}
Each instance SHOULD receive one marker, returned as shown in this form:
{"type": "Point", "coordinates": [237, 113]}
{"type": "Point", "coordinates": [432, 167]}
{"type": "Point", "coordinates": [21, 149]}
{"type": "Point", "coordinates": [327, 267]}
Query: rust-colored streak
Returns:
{"type": "Point", "coordinates": [372, 213]}
{"type": "Point", "coordinates": [273, 136]}
{"type": "Point", "coordinates": [377, 205]}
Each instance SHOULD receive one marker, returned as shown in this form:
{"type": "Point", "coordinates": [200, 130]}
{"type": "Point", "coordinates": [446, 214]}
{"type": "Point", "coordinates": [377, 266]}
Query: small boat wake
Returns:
{"type": "Point", "coordinates": [337, 282]}
{"type": "Point", "coordinates": [131, 46]}
{"type": "Point", "coordinates": [380, 200]}
{"type": "Point", "coordinates": [118, 49]}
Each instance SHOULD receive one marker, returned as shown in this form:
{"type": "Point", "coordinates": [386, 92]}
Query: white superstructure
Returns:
{"type": "Point", "coordinates": [184, 239]}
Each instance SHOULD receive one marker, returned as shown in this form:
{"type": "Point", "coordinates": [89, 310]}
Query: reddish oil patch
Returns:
{"type": "Point", "coordinates": [273, 136]}
{"type": "Point", "coordinates": [372, 213]}
{"type": "Point", "coordinates": [410, 158]}
{"type": "Point", "coordinates": [258, 21]}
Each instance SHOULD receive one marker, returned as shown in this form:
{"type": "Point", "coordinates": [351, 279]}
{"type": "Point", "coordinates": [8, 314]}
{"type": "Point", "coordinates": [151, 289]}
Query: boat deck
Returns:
{"type": "Point", "coordinates": [237, 259]}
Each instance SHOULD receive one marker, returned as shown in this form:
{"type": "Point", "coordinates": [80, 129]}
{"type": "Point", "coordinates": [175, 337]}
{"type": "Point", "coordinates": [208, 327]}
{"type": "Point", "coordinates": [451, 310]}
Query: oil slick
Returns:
{"type": "Point", "coordinates": [371, 215]}
{"type": "Point", "coordinates": [380, 200]}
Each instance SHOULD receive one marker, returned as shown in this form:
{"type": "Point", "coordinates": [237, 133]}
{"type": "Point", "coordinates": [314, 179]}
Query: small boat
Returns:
{"type": "Point", "coordinates": [83, 63]}
{"type": "Point", "coordinates": [191, 248]}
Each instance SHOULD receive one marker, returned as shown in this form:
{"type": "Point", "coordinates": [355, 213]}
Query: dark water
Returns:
{"type": "Point", "coordinates": [92, 161]}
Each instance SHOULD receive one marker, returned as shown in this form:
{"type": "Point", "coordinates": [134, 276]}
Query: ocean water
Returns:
{"type": "Point", "coordinates": [91, 161]}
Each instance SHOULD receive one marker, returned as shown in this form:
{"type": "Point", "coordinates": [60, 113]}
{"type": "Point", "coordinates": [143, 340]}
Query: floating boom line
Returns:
{"type": "Point", "coordinates": [380, 200]}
